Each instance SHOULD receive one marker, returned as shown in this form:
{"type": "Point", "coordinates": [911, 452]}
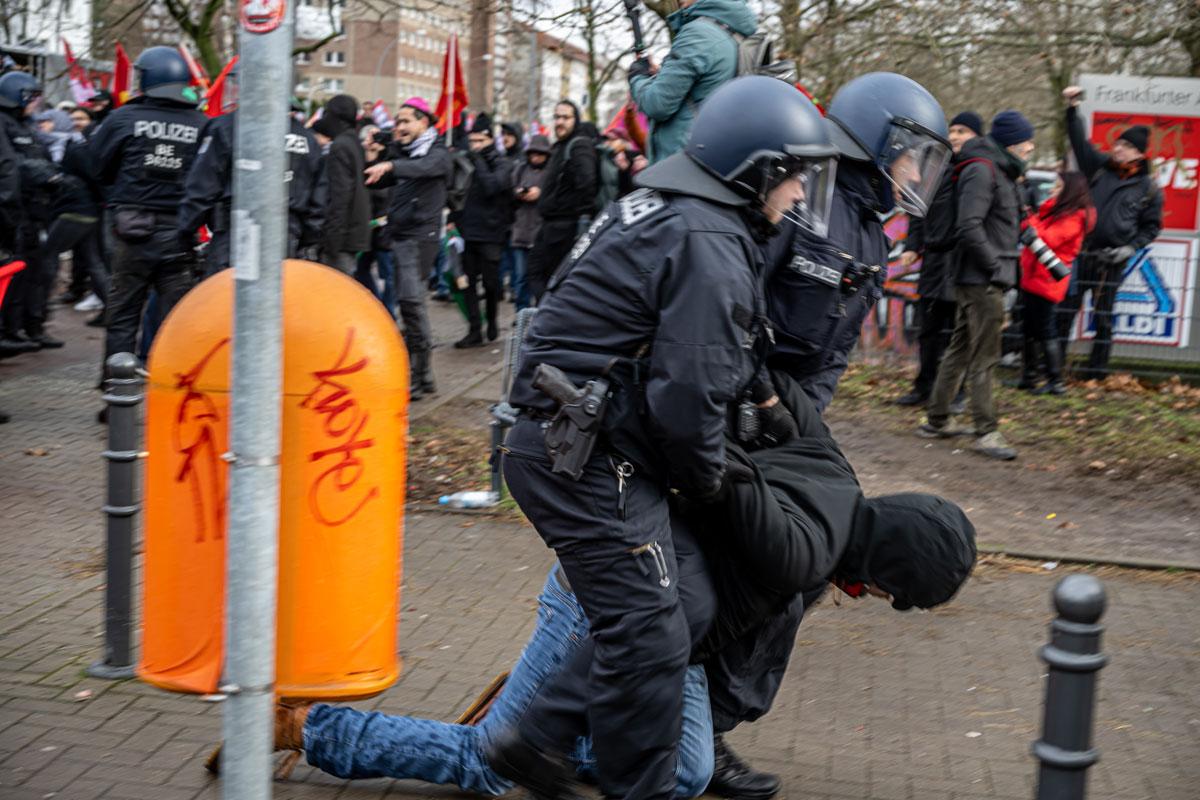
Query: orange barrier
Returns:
{"type": "Point", "coordinates": [345, 419]}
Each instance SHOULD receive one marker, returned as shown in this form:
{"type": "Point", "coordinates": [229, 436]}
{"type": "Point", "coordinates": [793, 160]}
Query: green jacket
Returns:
{"type": "Point", "coordinates": [703, 56]}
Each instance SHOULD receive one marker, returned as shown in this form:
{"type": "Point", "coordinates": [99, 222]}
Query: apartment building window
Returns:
{"type": "Point", "coordinates": [304, 58]}
{"type": "Point", "coordinates": [334, 58]}
{"type": "Point", "coordinates": [334, 84]}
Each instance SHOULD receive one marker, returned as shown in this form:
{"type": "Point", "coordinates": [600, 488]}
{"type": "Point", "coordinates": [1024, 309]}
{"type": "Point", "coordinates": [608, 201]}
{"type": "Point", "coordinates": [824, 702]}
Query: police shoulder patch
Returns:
{"type": "Point", "coordinates": [638, 205]}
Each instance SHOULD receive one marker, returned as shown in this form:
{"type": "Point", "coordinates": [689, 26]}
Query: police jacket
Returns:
{"type": "Point", "coordinates": [818, 322]}
{"type": "Point", "coordinates": [36, 173]}
{"type": "Point", "coordinates": [143, 151]}
{"type": "Point", "coordinates": [1129, 206]}
{"type": "Point", "coordinates": [569, 188]}
{"type": "Point", "coordinates": [347, 226]}
{"type": "Point", "coordinates": [486, 215]}
{"type": "Point", "coordinates": [988, 216]}
{"type": "Point", "coordinates": [675, 280]}
{"type": "Point", "coordinates": [208, 187]}
{"type": "Point", "coordinates": [776, 540]}
{"type": "Point", "coordinates": [10, 195]}
{"type": "Point", "coordinates": [418, 178]}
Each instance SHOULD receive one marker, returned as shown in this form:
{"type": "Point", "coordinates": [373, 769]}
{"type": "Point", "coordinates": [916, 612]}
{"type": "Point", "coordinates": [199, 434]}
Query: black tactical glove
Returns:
{"type": "Point", "coordinates": [1120, 254]}
{"type": "Point", "coordinates": [640, 66]}
{"type": "Point", "coordinates": [735, 472]}
{"type": "Point", "coordinates": [776, 424]}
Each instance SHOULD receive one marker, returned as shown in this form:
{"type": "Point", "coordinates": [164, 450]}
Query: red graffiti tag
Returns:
{"type": "Point", "coordinates": [201, 467]}
{"type": "Point", "coordinates": [344, 420]}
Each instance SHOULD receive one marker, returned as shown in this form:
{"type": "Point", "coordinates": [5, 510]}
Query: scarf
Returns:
{"type": "Point", "coordinates": [1128, 169]}
{"type": "Point", "coordinates": [419, 147]}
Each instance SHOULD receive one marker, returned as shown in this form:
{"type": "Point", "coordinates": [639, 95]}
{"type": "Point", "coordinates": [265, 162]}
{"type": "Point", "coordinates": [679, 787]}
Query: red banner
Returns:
{"type": "Point", "coordinates": [447, 108]}
{"type": "Point", "coordinates": [122, 71]}
{"type": "Point", "coordinates": [1174, 152]}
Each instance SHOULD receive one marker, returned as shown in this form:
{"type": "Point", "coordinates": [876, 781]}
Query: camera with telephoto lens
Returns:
{"type": "Point", "coordinates": [1042, 252]}
{"type": "Point", "coordinates": [382, 138]}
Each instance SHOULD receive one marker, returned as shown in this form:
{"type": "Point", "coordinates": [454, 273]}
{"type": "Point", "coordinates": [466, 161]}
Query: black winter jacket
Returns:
{"type": "Point", "coordinates": [933, 238]}
{"type": "Point", "coordinates": [487, 213]}
{"type": "Point", "coordinates": [10, 195]}
{"type": "Point", "coordinates": [419, 192]}
{"type": "Point", "coordinates": [988, 224]}
{"type": "Point", "coordinates": [569, 188]}
{"type": "Point", "coordinates": [36, 174]}
{"type": "Point", "coordinates": [347, 227]}
{"type": "Point", "coordinates": [1129, 211]}
{"type": "Point", "coordinates": [677, 279]}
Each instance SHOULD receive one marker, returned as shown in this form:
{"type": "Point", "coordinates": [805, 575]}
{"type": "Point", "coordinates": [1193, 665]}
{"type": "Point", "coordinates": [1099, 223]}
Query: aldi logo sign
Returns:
{"type": "Point", "coordinates": [1154, 302]}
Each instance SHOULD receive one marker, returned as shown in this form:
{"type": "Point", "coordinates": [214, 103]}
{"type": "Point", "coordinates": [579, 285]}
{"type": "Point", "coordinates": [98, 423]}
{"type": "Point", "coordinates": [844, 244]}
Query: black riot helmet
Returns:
{"type": "Point", "coordinates": [162, 72]}
{"type": "Point", "coordinates": [748, 137]}
{"type": "Point", "coordinates": [18, 90]}
{"type": "Point", "coordinates": [895, 123]}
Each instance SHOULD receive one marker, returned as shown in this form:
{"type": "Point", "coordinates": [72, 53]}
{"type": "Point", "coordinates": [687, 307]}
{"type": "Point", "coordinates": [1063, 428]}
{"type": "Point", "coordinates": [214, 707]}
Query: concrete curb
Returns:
{"type": "Point", "coordinates": [1097, 560]}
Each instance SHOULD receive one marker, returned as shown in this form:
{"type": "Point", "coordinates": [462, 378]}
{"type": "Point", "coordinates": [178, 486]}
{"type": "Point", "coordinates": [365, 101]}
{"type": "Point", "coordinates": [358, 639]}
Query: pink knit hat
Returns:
{"type": "Point", "coordinates": [418, 104]}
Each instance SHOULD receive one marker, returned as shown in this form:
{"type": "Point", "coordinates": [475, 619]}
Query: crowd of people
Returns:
{"type": "Point", "coordinates": [698, 291]}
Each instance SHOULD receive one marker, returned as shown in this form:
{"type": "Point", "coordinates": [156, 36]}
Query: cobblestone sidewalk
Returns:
{"type": "Point", "coordinates": [877, 704]}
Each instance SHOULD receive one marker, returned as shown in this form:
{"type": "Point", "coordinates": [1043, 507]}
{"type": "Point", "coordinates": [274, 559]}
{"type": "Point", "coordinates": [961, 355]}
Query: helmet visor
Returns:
{"type": "Point", "coordinates": [913, 161]}
{"type": "Point", "coordinates": [816, 177]}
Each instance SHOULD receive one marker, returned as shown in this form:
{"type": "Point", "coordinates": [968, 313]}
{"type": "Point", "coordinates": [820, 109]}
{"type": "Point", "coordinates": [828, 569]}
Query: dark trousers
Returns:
{"type": "Point", "coordinates": [1040, 334]}
{"type": "Point", "coordinates": [25, 303]}
{"type": "Point", "coordinates": [937, 324]}
{"type": "Point", "coordinates": [81, 236]}
{"type": "Point", "coordinates": [481, 262]}
{"type": "Point", "coordinates": [972, 355]}
{"type": "Point", "coordinates": [554, 241]}
{"type": "Point", "coordinates": [625, 575]}
{"type": "Point", "coordinates": [158, 262]}
{"type": "Point", "coordinates": [1102, 278]}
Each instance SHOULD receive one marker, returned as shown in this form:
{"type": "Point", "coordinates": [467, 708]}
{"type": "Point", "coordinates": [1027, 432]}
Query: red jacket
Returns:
{"type": "Point", "coordinates": [1064, 235]}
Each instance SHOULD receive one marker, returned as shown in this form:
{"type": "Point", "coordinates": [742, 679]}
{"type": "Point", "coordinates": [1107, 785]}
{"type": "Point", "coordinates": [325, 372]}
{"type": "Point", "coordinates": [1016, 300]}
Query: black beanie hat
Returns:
{"type": "Point", "coordinates": [1138, 136]}
{"type": "Point", "coordinates": [1011, 127]}
{"type": "Point", "coordinates": [969, 119]}
{"type": "Point", "coordinates": [482, 124]}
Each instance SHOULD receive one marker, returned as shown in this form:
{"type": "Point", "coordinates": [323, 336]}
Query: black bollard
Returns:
{"type": "Point", "coordinates": [124, 396]}
{"type": "Point", "coordinates": [1065, 749]}
{"type": "Point", "coordinates": [504, 416]}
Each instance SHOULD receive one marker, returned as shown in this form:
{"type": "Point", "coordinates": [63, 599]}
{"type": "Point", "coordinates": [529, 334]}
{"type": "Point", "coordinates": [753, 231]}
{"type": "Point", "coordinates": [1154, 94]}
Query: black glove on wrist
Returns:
{"type": "Point", "coordinates": [735, 472]}
{"type": "Point", "coordinates": [776, 426]}
{"type": "Point", "coordinates": [640, 66]}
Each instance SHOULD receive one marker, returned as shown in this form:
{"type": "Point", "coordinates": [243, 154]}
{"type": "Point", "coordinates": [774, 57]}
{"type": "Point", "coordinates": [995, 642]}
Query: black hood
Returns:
{"type": "Point", "coordinates": [917, 547]}
{"type": "Point", "coordinates": [862, 181]}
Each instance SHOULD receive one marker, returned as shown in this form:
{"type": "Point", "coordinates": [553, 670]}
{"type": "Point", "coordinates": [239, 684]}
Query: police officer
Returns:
{"type": "Point", "coordinates": [142, 153]}
{"type": "Point", "coordinates": [892, 137]}
{"type": "Point", "coordinates": [661, 297]}
{"type": "Point", "coordinates": [24, 312]}
{"type": "Point", "coordinates": [208, 188]}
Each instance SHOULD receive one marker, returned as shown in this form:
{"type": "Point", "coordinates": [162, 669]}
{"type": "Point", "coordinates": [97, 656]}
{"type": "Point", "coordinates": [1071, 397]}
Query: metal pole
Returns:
{"type": "Point", "coordinates": [379, 68]}
{"type": "Point", "coordinates": [124, 397]}
{"type": "Point", "coordinates": [453, 91]}
{"type": "Point", "coordinates": [252, 546]}
{"type": "Point", "coordinates": [535, 78]}
{"type": "Point", "coordinates": [1065, 750]}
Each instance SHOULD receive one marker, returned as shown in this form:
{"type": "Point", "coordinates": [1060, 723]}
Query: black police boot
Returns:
{"type": "Point", "coordinates": [472, 339]}
{"type": "Point", "coordinates": [734, 778]}
{"type": "Point", "coordinates": [913, 398]}
{"type": "Point", "coordinates": [545, 778]}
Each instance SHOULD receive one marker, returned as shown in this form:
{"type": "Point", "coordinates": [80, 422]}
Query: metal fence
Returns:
{"type": "Point", "coordinates": [1155, 319]}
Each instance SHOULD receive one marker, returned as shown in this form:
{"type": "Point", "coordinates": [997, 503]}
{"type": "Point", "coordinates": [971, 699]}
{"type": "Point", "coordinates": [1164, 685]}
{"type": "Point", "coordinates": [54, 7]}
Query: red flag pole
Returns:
{"type": "Point", "coordinates": [453, 86]}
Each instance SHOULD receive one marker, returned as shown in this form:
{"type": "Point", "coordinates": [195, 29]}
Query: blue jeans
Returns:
{"type": "Point", "coordinates": [518, 257]}
{"type": "Point", "coordinates": [357, 744]}
{"type": "Point", "coordinates": [382, 259]}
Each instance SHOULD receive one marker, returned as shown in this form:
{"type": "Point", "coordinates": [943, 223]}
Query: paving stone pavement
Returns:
{"type": "Point", "coordinates": [877, 704]}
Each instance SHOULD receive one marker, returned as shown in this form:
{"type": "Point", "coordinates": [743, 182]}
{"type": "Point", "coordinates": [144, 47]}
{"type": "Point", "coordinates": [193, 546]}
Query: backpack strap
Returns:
{"type": "Point", "coordinates": [958, 168]}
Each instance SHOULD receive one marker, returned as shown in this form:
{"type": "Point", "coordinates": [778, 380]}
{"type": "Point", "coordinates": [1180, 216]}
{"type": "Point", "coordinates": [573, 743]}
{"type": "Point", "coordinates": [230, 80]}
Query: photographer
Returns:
{"type": "Point", "coordinates": [527, 188]}
{"type": "Point", "coordinates": [1053, 237]}
{"type": "Point", "coordinates": [1128, 217]}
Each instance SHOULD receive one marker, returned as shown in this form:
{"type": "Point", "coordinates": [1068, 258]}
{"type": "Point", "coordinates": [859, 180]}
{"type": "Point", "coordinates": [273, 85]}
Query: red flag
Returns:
{"type": "Point", "coordinates": [453, 101]}
{"type": "Point", "coordinates": [198, 77]}
{"type": "Point", "coordinates": [81, 85]}
{"type": "Point", "coordinates": [215, 98]}
{"type": "Point", "coordinates": [122, 70]}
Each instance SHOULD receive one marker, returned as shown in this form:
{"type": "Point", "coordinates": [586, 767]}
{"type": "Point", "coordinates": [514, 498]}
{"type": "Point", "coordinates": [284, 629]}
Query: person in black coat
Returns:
{"type": "Point", "coordinates": [1129, 216]}
{"type": "Point", "coordinates": [568, 196]}
{"type": "Point", "coordinates": [484, 222]}
{"type": "Point", "coordinates": [347, 226]}
{"type": "Point", "coordinates": [931, 238]}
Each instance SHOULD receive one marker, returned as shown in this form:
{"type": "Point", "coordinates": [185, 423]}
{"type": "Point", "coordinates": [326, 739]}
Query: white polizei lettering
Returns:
{"type": "Point", "coordinates": [295, 143]}
{"type": "Point", "coordinates": [168, 131]}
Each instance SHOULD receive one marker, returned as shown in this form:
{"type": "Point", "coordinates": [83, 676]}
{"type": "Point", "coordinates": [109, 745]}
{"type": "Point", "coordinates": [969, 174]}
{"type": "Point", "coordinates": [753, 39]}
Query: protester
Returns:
{"type": "Point", "coordinates": [23, 316]}
{"type": "Point", "coordinates": [527, 190]}
{"type": "Point", "coordinates": [484, 223]}
{"type": "Point", "coordinates": [1061, 224]}
{"type": "Point", "coordinates": [1129, 216]}
{"type": "Point", "coordinates": [418, 173]}
{"type": "Point", "coordinates": [568, 196]}
{"type": "Point", "coordinates": [615, 168]}
{"type": "Point", "coordinates": [100, 106]}
{"type": "Point", "coordinates": [704, 55]}
{"type": "Point", "coordinates": [669, 276]}
{"type": "Point", "coordinates": [81, 118]}
{"type": "Point", "coordinates": [347, 222]}
{"type": "Point", "coordinates": [932, 239]}
{"type": "Point", "coordinates": [512, 142]}
{"type": "Point", "coordinates": [382, 284]}
{"type": "Point", "coordinates": [141, 155]}
{"type": "Point", "coordinates": [988, 216]}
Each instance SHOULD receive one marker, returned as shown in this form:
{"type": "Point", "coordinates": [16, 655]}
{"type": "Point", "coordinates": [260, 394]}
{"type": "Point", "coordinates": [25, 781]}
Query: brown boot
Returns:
{"type": "Point", "coordinates": [289, 725]}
